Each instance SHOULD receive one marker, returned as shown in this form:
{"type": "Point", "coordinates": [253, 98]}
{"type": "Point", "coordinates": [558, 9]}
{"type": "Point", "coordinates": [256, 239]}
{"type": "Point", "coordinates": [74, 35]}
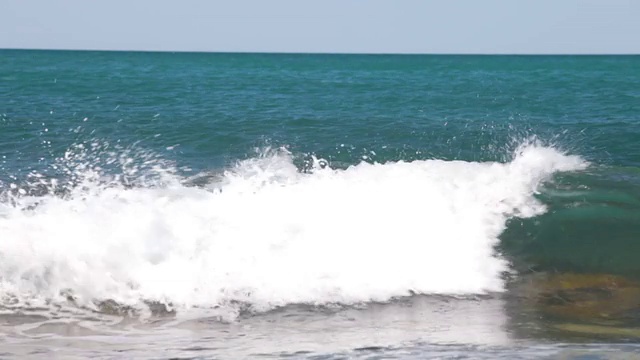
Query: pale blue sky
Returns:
{"type": "Point", "coordinates": [361, 26]}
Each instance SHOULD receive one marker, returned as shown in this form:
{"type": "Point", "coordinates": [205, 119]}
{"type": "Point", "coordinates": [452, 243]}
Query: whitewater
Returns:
{"type": "Point", "coordinates": [262, 234]}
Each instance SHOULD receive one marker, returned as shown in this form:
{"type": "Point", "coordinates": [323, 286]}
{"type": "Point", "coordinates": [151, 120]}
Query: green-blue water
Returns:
{"type": "Point", "coordinates": [200, 114]}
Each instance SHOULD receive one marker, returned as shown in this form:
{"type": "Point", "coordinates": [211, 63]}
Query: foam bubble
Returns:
{"type": "Point", "coordinates": [268, 235]}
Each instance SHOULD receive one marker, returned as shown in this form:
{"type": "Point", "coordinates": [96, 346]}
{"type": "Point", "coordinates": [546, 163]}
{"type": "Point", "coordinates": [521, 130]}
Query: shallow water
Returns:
{"type": "Point", "coordinates": [417, 327]}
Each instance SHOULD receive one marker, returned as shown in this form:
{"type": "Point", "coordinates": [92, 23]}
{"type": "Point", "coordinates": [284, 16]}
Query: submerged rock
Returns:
{"type": "Point", "coordinates": [595, 304]}
{"type": "Point", "coordinates": [588, 296]}
{"type": "Point", "coordinates": [600, 330]}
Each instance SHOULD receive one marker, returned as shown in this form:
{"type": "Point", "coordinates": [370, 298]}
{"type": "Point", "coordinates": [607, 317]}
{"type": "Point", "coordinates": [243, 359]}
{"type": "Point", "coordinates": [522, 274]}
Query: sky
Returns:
{"type": "Point", "coordinates": [326, 26]}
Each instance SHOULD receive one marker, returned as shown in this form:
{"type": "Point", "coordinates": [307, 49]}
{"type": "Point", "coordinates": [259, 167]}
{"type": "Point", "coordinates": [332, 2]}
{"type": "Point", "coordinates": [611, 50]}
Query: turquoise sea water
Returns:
{"type": "Point", "coordinates": [319, 205]}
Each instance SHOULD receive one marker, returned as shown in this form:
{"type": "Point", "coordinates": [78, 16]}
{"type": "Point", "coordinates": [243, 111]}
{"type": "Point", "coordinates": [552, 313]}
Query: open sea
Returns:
{"type": "Point", "coordinates": [231, 206]}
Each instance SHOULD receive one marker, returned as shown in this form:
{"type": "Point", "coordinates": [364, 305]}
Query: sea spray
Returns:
{"type": "Point", "coordinates": [265, 234]}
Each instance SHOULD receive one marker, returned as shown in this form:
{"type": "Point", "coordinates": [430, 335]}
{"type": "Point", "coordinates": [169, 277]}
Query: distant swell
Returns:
{"type": "Point", "coordinates": [267, 235]}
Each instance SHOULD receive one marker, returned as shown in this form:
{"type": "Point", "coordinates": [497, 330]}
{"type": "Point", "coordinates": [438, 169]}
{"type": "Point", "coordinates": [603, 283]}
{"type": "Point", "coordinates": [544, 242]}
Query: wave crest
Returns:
{"type": "Point", "coordinates": [265, 234]}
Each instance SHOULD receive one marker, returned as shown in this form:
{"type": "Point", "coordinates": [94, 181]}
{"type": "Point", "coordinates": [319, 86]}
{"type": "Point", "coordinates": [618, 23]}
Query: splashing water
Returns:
{"type": "Point", "coordinates": [265, 234]}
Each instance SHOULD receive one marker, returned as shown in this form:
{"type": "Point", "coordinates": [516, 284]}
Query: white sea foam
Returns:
{"type": "Point", "coordinates": [268, 235]}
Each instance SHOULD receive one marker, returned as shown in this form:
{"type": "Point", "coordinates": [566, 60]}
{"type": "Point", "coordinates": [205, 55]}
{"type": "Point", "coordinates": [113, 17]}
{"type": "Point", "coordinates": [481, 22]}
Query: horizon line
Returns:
{"type": "Point", "coordinates": [319, 52]}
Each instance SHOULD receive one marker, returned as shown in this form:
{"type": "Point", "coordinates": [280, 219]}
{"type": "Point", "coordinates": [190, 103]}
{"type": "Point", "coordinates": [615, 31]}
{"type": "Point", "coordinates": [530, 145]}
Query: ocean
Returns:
{"type": "Point", "coordinates": [200, 206]}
